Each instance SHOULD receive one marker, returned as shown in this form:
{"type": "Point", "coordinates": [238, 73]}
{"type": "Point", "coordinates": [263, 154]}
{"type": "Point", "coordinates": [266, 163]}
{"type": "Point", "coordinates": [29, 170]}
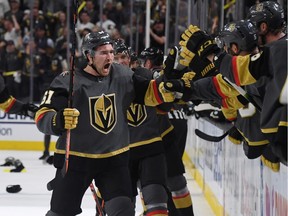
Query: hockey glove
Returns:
{"type": "Point", "coordinates": [183, 87]}
{"type": "Point", "coordinates": [198, 42]}
{"type": "Point", "coordinates": [202, 68]}
{"type": "Point", "coordinates": [65, 119]}
{"type": "Point", "coordinates": [172, 68]}
{"type": "Point", "coordinates": [29, 109]}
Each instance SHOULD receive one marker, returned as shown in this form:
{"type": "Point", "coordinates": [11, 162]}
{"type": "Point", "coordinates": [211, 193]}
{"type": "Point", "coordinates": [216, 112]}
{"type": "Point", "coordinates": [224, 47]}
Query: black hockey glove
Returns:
{"type": "Point", "coordinates": [29, 109]}
{"type": "Point", "coordinates": [173, 68]}
{"type": "Point", "coordinates": [183, 87]}
{"type": "Point", "coordinates": [65, 119]}
{"type": "Point", "coordinates": [202, 68]}
{"type": "Point", "coordinates": [198, 42]}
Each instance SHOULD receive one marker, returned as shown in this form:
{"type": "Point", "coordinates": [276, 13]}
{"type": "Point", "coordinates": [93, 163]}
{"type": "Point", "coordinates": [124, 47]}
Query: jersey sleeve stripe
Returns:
{"type": "Point", "coordinates": [235, 70]}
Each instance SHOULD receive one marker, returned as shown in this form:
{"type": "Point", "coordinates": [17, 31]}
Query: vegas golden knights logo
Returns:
{"type": "Point", "coordinates": [103, 113]}
{"type": "Point", "coordinates": [136, 114]}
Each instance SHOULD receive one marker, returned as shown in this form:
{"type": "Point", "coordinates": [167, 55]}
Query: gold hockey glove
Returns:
{"type": "Point", "coordinates": [65, 119]}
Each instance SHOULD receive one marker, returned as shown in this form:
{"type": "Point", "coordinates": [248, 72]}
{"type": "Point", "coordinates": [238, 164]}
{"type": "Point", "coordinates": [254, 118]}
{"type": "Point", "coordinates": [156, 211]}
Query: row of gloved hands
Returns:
{"type": "Point", "coordinates": [190, 62]}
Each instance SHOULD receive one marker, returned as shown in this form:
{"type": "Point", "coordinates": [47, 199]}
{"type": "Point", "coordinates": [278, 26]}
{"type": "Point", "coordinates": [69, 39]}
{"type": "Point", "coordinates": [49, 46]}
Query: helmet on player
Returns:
{"type": "Point", "coordinates": [242, 33]}
{"type": "Point", "coordinates": [121, 47]}
{"type": "Point", "coordinates": [269, 12]}
{"type": "Point", "coordinates": [154, 54]}
{"type": "Point", "coordinates": [95, 39]}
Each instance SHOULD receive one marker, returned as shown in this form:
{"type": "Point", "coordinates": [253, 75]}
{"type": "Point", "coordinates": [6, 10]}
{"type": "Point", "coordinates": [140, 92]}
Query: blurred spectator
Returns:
{"type": "Point", "coordinates": [213, 14]}
{"type": "Point", "coordinates": [13, 62]}
{"type": "Point", "coordinates": [157, 34]}
{"type": "Point", "coordinates": [40, 51]}
{"type": "Point", "coordinates": [158, 10]}
{"type": "Point", "coordinates": [84, 22]}
{"type": "Point", "coordinates": [38, 18]}
{"type": "Point", "coordinates": [91, 10]}
{"type": "Point", "coordinates": [83, 25]}
{"type": "Point", "coordinates": [61, 46]}
{"type": "Point", "coordinates": [60, 24]}
{"type": "Point", "coordinates": [127, 30]}
{"type": "Point", "coordinates": [15, 10]}
{"type": "Point", "coordinates": [2, 55]}
{"type": "Point", "coordinates": [4, 7]}
{"type": "Point", "coordinates": [229, 12]}
{"type": "Point", "coordinates": [53, 6]}
{"type": "Point", "coordinates": [110, 10]}
{"type": "Point", "coordinates": [119, 15]}
{"type": "Point", "coordinates": [115, 34]}
{"type": "Point", "coordinates": [107, 24]}
{"type": "Point", "coordinates": [12, 31]}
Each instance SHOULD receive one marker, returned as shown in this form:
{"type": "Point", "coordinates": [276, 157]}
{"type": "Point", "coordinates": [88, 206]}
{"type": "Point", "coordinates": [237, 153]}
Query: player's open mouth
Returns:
{"type": "Point", "coordinates": [106, 66]}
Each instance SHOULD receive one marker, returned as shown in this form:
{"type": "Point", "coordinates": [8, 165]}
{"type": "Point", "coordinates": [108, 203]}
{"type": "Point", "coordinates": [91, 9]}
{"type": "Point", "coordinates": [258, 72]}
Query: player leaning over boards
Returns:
{"type": "Point", "coordinates": [102, 93]}
{"type": "Point", "coordinates": [11, 105]}
{"type": "Point", "coordinates": [270, 63]}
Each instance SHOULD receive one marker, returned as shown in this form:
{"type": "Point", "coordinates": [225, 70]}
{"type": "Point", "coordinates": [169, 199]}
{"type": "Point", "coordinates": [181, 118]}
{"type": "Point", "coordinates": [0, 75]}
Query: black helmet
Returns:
{"type": "Point", "coordinates": [242, 33]}
{"type": "Point", "coordinates": [94, 39]}
{"type": "Point", "coordinates": [121, 47]}
{"type": "Point", "coordinates": [269, 12]}
{"type": "Point", "coordinates": [153, 54]}
{"type": "Point", "coordinates": [133, 55]}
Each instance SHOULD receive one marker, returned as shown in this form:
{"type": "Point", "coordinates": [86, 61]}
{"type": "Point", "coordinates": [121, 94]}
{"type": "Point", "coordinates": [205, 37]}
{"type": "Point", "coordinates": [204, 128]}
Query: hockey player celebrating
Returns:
{"type": "Point", "coordinates": [245, 70]}
{"type": "Point", "coordinates": [99, 150]}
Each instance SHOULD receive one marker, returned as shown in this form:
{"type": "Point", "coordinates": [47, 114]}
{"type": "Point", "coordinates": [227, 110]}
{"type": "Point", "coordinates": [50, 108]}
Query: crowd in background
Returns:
{"type": "Point", "coordinates": [30, 59]}
{"type": "Point", "coordinates": [33, 38]}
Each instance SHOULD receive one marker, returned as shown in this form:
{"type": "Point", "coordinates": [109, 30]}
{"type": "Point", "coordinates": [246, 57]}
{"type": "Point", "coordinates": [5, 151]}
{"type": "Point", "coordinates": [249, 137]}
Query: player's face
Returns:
{"type": "Point", "coordinates": [122, 58]}
{"type": "Point", "coordinates": [103, 58]}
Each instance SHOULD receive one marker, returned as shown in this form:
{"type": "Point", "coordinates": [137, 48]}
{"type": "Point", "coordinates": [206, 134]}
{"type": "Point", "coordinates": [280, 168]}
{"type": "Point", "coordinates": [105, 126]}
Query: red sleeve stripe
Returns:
{"type": "Point", "coordinates": [39, 118]}
{"type": "Point", "coordinates": [156, 92]}
{"type": "Point", "coordinates": [217, 87]}
{"type": "Point", "coordinates": [157, 212]}
{"type": "Point", "coordinates": [235, 70]}
{"type": "Point", "coordinates": [10, 105]}
{"type": "Point", "coordinates": [224, 104]}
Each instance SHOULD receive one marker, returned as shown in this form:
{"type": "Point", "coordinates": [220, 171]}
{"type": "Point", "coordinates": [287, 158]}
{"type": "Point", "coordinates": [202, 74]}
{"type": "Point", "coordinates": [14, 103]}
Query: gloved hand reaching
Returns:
{"type": "Point", "coordinates": [183, 86]}
{"type": "Point", "coordinates": [65, 119]}
{"type": "Point", "coordinates": [29, 109]}
{"type": "Point", "coordinates": [198, 42]}
{"type": "Point", "coordinates": [173, 68]}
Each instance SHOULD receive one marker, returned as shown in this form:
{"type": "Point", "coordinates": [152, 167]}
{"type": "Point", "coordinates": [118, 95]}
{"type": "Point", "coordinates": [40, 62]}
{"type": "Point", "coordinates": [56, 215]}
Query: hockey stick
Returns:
{"type": "Point", "coordinates": [243, 93]}
{"type": "Point", "coordinates": [210, 138]}
{"type": "Point", "coordinates": [98, 205]}
{"type": "Point", "coordinates": [71, 25]}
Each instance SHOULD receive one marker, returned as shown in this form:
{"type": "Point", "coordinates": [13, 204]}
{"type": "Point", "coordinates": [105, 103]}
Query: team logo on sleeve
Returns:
{"type": "Point", "coordinates": [103, 113]}
{"type": "Point", "coordinates": [136, 114]}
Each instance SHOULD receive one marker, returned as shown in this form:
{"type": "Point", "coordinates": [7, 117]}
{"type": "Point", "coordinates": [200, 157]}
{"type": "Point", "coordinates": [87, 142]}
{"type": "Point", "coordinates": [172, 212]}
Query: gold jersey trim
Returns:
{"type": "Point", "coordinates": [145, 142]}
{"type": "Point", "coordinates": [88, 155]}
{"type": "Point", "coordinates": [167, 131]}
